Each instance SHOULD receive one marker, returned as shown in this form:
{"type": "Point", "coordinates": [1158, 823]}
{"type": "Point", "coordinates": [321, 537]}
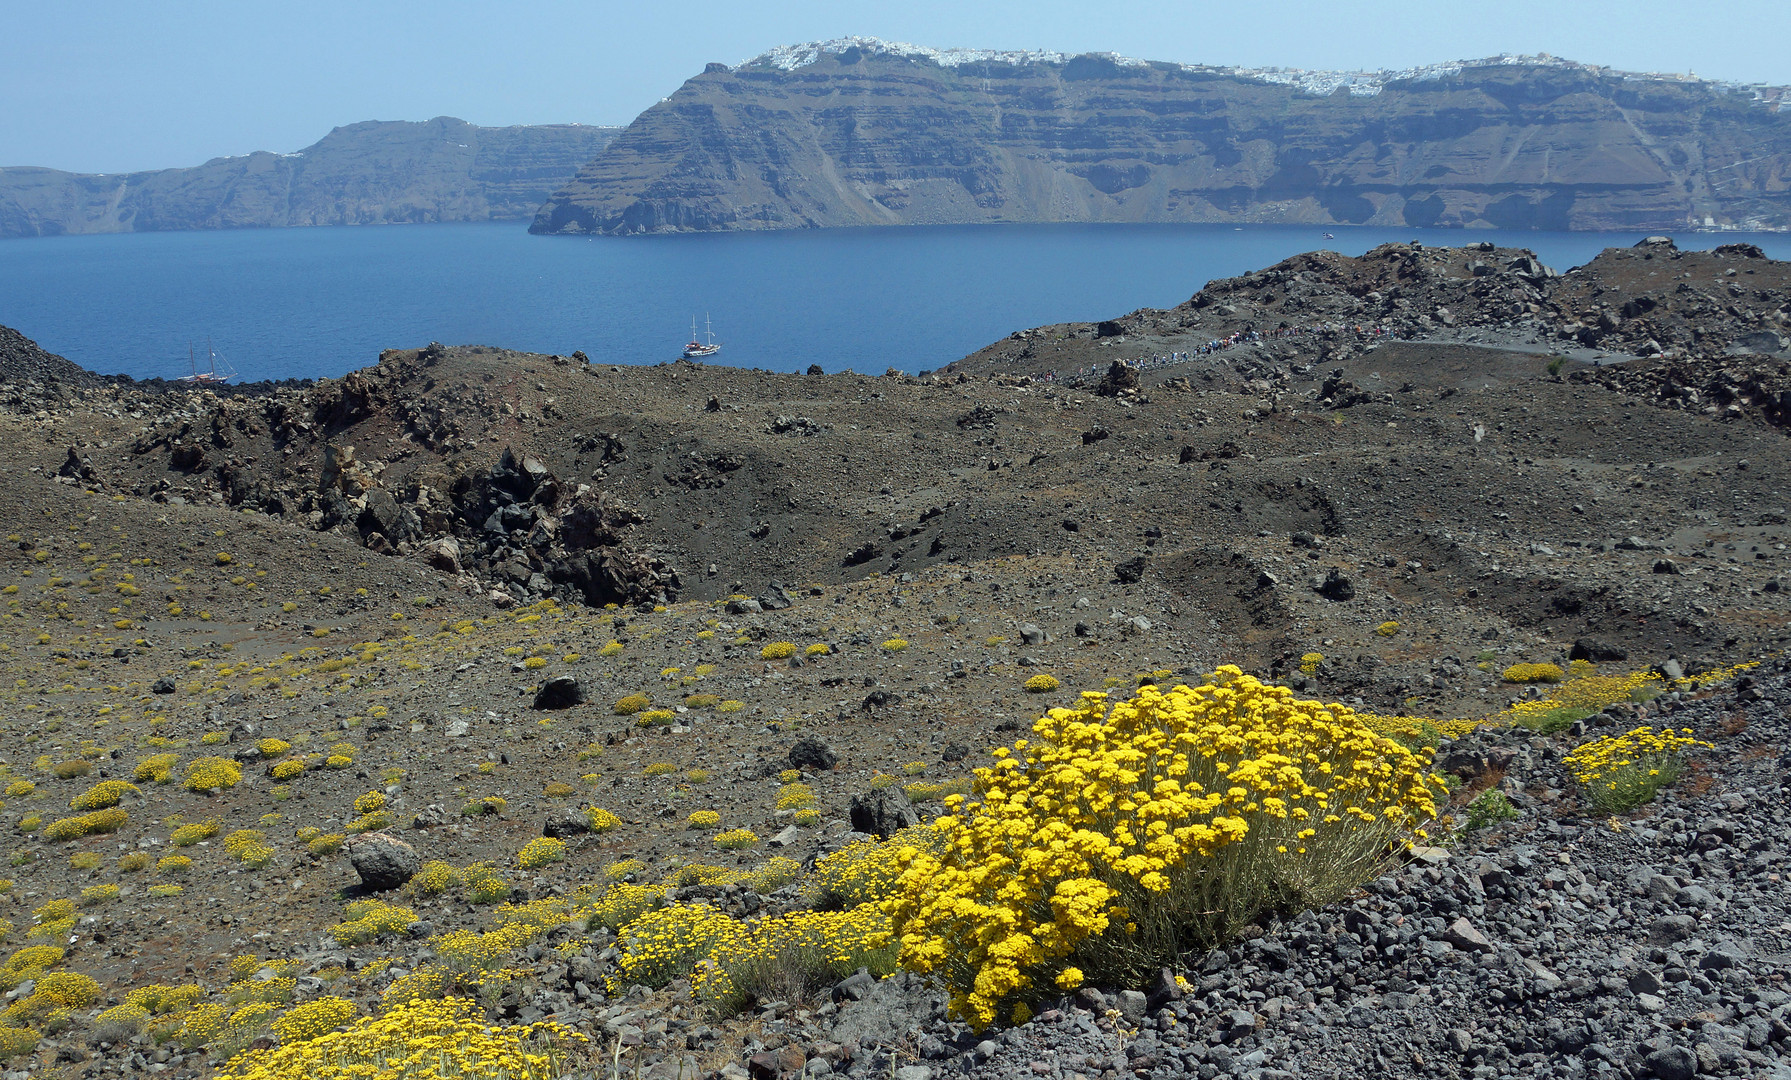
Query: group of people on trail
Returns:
{"type": "Point", "coordinates": [1247, 336]}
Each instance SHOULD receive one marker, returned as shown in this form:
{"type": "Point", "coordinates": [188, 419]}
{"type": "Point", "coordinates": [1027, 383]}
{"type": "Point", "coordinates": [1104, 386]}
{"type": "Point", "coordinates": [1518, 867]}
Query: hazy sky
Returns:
{"type": "Point", "coordinates": [103, 86]}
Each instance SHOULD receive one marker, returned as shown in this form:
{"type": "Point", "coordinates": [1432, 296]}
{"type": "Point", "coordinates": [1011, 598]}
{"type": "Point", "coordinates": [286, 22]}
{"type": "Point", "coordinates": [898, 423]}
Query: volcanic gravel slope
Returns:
{"type": "Point", "coordinates": [387, 568]}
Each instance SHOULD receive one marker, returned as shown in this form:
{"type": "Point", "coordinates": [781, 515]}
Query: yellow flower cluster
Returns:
{"type": "Point", "coordinates": [1621, 772]}
{"type": "Point", "coordinates": [188, 835]}
{"type": "Point", "coordinates": [213, 774]}
{"type": "Point", "coordinates": [1589, 691]}
{"type": "Point", "coordinates": [466, 951]}
{"type": "Point", "coordinates": [778, 650]}
{"type": "Point", "coordinates": [736, 839]}
{"type": "Point", "coordinates": [1533, 673]}
{"type": "Point", "coordinates": [156, 768]}
{"type": "Point", "coordinates": [631, 704]}
{"type": "Point", "coordinates": [1413, 732]}
{"type": "Point", "coordinates": [795, 796]}
{"type": "Point", "coordinates": [249, 846]}
{"type": "Point", "coordinates": [803, 948]}
{"type": "Point", "coordinates": [1041, 684]}
{"type": "Point", "coordinates": [484, 885]}
{"type": "Point", "coordinates": [99, 821]}
{"type": "Point", "coordinates": [417, 1040]}
{"type": "Point", "coordinates": [702, 819]}
{"type": "Point", "coordinates": [104, 794]}
{"type": "Point", "coordinates": [1121, 836]}
{"type": "Point", "coordinates": [666, 943]}
{"type": "Point", "coordinates": [434, 878]}
{"type": "Point", "coordinates": [541, 851]}
{"type": "Point", "coordinates": [367, 919]}
{"type": "Point", "coordinates": [313, 1019]}
{"type": "Point", "coordinates": [620, 904]}
{"type": "Point", "coordinates": [867, 872]}
{"type": "Point", "coordinates": [601, 820]}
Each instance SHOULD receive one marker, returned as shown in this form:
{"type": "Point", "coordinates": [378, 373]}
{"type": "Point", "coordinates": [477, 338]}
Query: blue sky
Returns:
{"type": "Point", "coordinates": [105, 86]}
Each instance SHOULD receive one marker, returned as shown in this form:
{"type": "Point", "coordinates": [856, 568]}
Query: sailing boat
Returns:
{"type": "Point", "coordinates": [209, 377]}
{"type": "Point", "coordinates": [696, 350]}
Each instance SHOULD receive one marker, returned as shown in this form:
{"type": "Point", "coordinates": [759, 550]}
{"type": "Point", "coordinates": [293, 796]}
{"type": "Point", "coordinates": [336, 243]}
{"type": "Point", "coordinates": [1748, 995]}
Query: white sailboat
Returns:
{"type": "Point", "coordinates": [696, 350]}
{"type": "Point", "coordinates": [209, 377]}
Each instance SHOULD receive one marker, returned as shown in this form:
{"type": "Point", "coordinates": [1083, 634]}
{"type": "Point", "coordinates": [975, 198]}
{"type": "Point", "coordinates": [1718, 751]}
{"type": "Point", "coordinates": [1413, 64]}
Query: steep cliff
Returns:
{"type": "Point", "coordinates": [369, 173]}
{"type": "Point", "coordinates": [860, 132]}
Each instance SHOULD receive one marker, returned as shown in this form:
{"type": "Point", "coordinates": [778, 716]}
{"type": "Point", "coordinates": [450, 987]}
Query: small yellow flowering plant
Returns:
{"type": "Point", "coordinates": [1125, 833]}
{"type": "Point", "coordinates": [1621, 772]}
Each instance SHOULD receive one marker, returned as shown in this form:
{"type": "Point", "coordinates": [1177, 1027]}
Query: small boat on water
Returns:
{"type": "Point", "coordinates": [211, 376]}
{"type": "Point", "coordinates": [696, 350]}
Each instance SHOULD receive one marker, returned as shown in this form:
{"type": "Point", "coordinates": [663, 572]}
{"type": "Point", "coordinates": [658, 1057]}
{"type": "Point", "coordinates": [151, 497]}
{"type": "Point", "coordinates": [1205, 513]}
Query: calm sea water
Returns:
{"type": "Point", "coordinates": [281, 303]}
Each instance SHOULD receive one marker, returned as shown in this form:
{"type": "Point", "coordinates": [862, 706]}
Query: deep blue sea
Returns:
{"type": "Point", "coordinates": [280, 303]}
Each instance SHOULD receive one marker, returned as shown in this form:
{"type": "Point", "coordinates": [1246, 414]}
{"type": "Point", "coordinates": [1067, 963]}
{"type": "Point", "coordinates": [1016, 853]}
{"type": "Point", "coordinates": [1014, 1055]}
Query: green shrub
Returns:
{"type": "Point", "coordinates": [1489, 808]}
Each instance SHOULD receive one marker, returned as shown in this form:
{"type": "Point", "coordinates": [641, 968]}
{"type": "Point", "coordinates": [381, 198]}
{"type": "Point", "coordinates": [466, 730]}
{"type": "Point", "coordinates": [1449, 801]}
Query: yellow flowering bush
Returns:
{"type": "Point", "coordinates": [416, 1040]}
{"type": "Point", "coordinates": [1309, 662]}
{"type": "Point", "coordinates": [702, 819]}
{"type": "Point", "coordinates": [1621, 772]}
{"type": "Point", "coordinates": [188, 835]}
{"type": "Point", "coordinates": [895, 644]}
{"type": "Point", "coordinates": [795, 796]}
{"type": "Point", "coordinates": [787, 956]}
{"type": "Point", "coordinates": [620, 904]}
{"type": "Point", "coordinates": [484, 885]}
{"type": "Point", "coordinates": [664, 944]}
{"type": "Point", "coordinates": [20, 789]}
{"type": "Point", "coordinates": [102, 795]}
{"type": "Point", "coordinates": [1533, 673]}
{"type": "Point", "coordinates": [1387, 629]}
{"type": "Point", "coordinates": [866, 872]}
{"type": "Point", "coordinates": [736, 839]}
{"type": "Point", "coordinates": [778, 650]}
{"type": "Point", "coordinates": [273, 748]}
{"type": "Point", "coordinates": [1580, 697]}
{"type": "Point", "coordinates": [99, 821]}
{"type": "Point", "coordinates": [631, 704]}
{"type": "Point", "coordinates": [367, 919]}
{"type": "Point", "coordinates": [541, 851]}
{"type": "Point", "coordinates": [213, 774]}
{"type": "Point", "coordinates": [434, 878]}
{"type": "Point", "coordinates": [1041, 684]}
{"type": "Point", "coordinates": [1123, 834]}
{"type": "Point", "coordinates": [601, 820]}
{"type": "Point", "coordinates": [819, 648]}
{"type": "Point", "coordinates": [313, 1019]}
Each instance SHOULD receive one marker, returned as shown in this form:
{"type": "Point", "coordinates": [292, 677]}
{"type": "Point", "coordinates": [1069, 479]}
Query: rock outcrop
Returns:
{"type": "Point", "coordinates": [859, 132]}
{"type": "Point", "coordinates": [363, 174]}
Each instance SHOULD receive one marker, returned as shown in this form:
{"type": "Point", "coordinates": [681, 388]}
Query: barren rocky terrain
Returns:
{"type": "Point", "coordinates": [433, 582]}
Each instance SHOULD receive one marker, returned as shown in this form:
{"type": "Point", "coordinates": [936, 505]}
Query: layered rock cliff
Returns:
{"type": "Point", "coordinates": [368, 173]}
{"type": "Point", "coordinates": [860, 132]}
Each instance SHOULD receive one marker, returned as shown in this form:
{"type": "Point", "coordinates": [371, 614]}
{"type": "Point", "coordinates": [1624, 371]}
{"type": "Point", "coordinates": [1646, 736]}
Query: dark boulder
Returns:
{"type": "Point", "coordinates": [384, 862]}
{"type": "Point", "coordinates": [882, 812]}
{"type": "Point", "coordinates": [1131, 572]}
{"type": "Point", "coordinates": [559, 692]}
{"type": "Point", "coordinates": [811, 753]}
{"type": "Point", "coordinates": [1120, 379]}
{"type": "Point", "coordinates": [1336, 585]}
{"type": "Point", "coordinates": [1596, 651]}
{"type": "Point", "coordinates": [571, 822]}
